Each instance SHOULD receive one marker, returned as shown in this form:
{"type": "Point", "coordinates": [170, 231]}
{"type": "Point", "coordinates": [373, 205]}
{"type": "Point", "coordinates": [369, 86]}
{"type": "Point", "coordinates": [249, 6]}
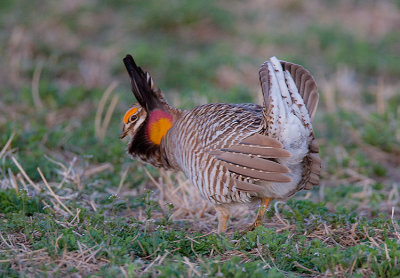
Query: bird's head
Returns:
{"type": "Point", "coordinates": [133, 121]}
{"type": "Point", "coordinates": [148, 121]}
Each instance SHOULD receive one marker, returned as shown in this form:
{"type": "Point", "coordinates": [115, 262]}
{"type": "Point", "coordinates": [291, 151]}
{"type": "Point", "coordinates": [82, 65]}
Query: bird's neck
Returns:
{"type": "Point", "coordinates": [157, 126]}
{"type": "Point", "coordinates": [147, 143]}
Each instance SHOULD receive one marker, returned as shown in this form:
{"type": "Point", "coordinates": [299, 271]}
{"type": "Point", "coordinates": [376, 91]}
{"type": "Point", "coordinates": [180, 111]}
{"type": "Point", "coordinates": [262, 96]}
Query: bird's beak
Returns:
{"type": "Point", "coordinates": [124, 132]}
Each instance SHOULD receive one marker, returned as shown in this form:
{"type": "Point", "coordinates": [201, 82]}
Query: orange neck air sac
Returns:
{"type": "Point", "coordinates": [158, 124]}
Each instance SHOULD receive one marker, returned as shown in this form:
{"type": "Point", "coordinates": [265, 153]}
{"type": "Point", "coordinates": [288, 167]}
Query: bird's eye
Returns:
{"type": "Point", "coordinates": [132, 118]}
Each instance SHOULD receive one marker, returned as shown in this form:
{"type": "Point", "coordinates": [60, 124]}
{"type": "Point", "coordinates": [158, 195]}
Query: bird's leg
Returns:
{"type": "Point", "coordinates": [223, 217]}
{"type": "Point", "coordinates": [260, 214]}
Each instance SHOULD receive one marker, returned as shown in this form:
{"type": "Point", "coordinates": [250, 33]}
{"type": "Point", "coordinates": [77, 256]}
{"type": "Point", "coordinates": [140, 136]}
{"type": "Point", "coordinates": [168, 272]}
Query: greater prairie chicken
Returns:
{"type": "Point", "coordinates": [232, 153]}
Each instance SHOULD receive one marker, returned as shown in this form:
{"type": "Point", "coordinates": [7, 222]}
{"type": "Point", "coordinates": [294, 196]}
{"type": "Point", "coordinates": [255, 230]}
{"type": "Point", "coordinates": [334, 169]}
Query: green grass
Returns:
{"type": "Point", "coordinates": [115, 222]}
{"type": "Point", "coordinates": [123, 242]}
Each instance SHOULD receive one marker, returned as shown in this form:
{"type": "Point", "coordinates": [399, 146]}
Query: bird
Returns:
{"type": "Point", "coordinates": [234, 154]}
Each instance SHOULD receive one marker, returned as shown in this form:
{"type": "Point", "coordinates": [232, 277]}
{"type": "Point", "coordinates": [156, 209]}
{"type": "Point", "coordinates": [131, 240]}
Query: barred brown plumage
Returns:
{"type": "Point", "coordinates": [232, 153]}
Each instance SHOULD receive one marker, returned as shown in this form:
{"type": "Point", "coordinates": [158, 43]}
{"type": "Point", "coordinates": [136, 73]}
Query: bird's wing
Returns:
{"type": "Point", "coordinates": [252, 160]}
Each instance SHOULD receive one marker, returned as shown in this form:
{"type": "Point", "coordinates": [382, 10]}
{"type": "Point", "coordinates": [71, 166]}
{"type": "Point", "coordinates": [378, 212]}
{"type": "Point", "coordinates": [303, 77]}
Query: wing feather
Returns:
{"type": "Point", "coordinates": [249, 187]}
{"type": "Point", "coordinates": [250, 161]}
{"type": "Point", "coordinates": [254, 158]}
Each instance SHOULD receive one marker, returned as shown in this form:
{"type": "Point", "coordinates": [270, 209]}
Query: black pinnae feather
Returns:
{"type": "Point", "coordinates": [140, 85]}
{"type": "Point", "coordinates": [135, 74]}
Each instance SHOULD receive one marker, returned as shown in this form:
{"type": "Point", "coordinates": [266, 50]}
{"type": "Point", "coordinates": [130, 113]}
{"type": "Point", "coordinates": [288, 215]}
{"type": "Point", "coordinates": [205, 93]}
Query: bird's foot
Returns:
{"type": "Point", "coordinates": [256, 223]}
{"type": "Point", "coordinates": [260, 215]}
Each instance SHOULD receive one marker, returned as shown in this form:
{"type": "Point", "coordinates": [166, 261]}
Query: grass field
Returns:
{"type": "Point", "coordinates": [72, 203]}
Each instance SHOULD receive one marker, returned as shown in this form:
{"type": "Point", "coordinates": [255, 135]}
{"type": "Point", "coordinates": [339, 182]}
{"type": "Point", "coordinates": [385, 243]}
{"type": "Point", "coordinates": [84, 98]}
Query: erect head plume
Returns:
{"type": "Point", "coordinates": [143, 87]}
{"type": "Point", "coordinates": [156, 117]}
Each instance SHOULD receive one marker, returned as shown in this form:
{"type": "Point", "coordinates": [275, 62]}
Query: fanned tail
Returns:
{"type": "Point", "coordinates": [288, 90]}
{"type": "Point", "coordinates": [305, 84]}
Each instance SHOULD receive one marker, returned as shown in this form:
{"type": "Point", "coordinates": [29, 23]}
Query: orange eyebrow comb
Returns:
{"type": "Point", "coordinates": [128, 114]}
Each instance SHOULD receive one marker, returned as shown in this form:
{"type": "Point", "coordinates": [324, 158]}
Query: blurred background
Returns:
{"type": "Point", "coordinates": [73, 202]}
{"type": "Point", "coordinates": [64, 88]}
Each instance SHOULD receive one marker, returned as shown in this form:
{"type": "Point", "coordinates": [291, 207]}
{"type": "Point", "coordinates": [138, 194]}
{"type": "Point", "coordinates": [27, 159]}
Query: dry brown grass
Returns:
{"type": "Point", "coordinates": [25, 260]}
